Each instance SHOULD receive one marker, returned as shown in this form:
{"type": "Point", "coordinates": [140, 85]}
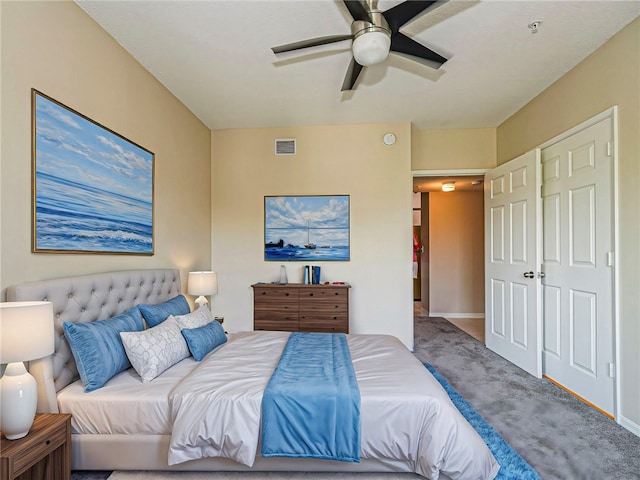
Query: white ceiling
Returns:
{"type": "Point", "coordinates": [215, 57]}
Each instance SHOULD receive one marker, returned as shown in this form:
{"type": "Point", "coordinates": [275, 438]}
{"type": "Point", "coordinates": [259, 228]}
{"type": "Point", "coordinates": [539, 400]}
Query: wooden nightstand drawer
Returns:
{"type": "Point", "coordinates": [44, 453]}
{"type": "Point", "coordinates": [44, 443]}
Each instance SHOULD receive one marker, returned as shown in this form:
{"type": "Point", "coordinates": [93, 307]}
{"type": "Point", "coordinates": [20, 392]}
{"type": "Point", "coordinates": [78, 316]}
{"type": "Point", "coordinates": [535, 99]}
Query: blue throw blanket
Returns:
{"type": "Point", "coordinates": [311, 406]}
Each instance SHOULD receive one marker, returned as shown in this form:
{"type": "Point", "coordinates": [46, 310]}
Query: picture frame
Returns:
{"type": "Point", "coordinates": [92, 188]}
{"type": "Point", "coordinates": [307, 228]}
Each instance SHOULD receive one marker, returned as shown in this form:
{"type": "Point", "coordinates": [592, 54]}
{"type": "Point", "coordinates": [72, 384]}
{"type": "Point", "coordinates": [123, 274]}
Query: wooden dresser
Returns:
{"type": "Point", "coordinates": [297, 307]}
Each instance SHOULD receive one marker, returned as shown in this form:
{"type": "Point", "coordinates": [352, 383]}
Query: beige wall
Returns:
{"type": "Point", "coordinates": [56, 48]}
{"type": "Point", "coordinates": [330, 160]}
{"type": "Point", "coordinates": [455, 149]}
{"type": "Point", "coordinates": [456, 252]}
{"type": "Point", "coordinates": [610, 76]}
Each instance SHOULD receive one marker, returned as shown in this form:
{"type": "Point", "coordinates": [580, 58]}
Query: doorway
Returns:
{"type": "Point", "coordinates": [451, 248]}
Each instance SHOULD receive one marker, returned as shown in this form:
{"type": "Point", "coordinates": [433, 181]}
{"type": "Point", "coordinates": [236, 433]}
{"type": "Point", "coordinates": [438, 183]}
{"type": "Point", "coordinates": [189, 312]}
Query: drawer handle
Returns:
{"type": "Point", "coordinates": [48, 442]}
{"type": "Point", "coordinates": [287, 294]}
{"type": "Point", "coordinates": [335, 318]}
{"type": "Point", "coordinates": [311, 294]}
{"type": "Point", "coordinates": [264, 293]}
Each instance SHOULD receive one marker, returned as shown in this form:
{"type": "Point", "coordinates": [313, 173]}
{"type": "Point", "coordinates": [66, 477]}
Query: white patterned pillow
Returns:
{"type": "Point", "coordinates": [198, 318]}
{"type": "Point", "coordinates": [154, 350]}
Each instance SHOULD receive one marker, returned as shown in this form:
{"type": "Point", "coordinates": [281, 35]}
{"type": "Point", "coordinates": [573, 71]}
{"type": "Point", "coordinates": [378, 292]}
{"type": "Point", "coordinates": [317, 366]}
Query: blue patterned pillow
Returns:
{"type": "Point", "coordinates": [156, 314]}
{"type": "Point", "coordinates": [97, 348]}
{"type": "Point", "coordinates": [203, 339]}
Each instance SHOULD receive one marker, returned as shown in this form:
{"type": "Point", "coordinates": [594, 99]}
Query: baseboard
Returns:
{"type": "Point", "coordinates": [629, 425]}
{"type": "Point", "coordinates": [457, 315]}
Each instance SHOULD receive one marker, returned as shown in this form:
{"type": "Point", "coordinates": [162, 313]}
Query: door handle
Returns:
{"type": "Point", "coordinates": [529, 274]}
{"type": "Point", "coordinates": [540, 274]}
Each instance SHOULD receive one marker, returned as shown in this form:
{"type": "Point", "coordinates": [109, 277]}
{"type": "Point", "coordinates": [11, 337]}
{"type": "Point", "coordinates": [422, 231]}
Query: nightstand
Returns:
{"type": "Point", "coordinates": [45, 453]}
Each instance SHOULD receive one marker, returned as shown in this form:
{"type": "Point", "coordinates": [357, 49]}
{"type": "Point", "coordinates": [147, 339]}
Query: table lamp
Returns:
{"type": "Point", "coordinates": [26, 333]}
{"type": "Point", "coordinates": [202, 283]}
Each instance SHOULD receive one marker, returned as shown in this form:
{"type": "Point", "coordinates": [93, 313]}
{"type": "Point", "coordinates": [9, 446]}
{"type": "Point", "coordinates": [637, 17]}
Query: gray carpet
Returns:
{"type": "Point", "coordinates": [559, 436]}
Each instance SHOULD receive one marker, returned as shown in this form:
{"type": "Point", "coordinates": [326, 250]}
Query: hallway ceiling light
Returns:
{"type": "Point", "coordinates": [449, 186]}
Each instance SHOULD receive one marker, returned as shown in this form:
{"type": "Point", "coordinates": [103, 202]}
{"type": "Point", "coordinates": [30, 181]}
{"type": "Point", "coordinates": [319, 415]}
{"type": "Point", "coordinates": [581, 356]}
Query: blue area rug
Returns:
{"type": "Point", "coordinates": [512, 465]}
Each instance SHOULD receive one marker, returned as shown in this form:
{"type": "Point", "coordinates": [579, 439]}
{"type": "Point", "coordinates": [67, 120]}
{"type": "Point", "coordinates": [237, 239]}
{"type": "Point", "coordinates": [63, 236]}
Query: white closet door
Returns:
{"type": "Point", "coordinates": [513, 326]}
{"type": "Point", "coordinates": [578, 260]}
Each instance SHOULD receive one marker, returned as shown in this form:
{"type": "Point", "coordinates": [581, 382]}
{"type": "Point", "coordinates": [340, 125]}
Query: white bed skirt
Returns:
{"type": "Point", "coordinates": [149, 452]}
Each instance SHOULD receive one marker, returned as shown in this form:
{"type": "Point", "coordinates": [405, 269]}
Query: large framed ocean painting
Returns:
{"type": "Point", "coordinates": [306, 228]}
{"type": "Point", "coordinates": [92, 188]}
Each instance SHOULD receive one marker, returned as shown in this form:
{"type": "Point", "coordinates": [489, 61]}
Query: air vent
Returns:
{"type": "Point", "coordinates": [285, 146]}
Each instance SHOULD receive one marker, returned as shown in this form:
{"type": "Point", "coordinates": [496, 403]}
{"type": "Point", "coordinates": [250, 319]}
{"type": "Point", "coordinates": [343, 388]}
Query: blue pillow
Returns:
{"type": "Point", "coordinates": [156, 314]}
{"type": "Point", "coordinates": [97, 347]}
{"type": "Point", "coordinates": [203, 339]}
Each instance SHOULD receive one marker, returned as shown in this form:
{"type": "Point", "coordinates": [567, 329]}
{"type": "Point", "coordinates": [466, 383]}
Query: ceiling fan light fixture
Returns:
{"type": "Point", "coordinates": [371, 47]}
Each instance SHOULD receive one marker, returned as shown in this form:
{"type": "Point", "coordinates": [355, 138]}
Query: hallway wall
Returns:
{"type": "Point", "coordinates": [456, 254]}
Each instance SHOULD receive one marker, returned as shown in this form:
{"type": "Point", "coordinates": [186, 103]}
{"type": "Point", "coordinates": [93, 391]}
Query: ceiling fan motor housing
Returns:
{"type": "Point", "coordinates": [371, 40]}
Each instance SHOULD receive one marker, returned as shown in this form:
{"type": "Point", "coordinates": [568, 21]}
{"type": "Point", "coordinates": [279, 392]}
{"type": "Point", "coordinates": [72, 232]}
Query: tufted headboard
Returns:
{"type": "Point", "coordinates": [87, 298]}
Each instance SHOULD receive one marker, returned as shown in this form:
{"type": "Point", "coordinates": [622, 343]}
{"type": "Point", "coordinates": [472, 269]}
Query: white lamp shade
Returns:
{"type": "Point", "coordinates": [371, 48]}
{"type": "Point", "coordinates": [203, 283]}
{"type": "Point", "coordinates": [26, 331]}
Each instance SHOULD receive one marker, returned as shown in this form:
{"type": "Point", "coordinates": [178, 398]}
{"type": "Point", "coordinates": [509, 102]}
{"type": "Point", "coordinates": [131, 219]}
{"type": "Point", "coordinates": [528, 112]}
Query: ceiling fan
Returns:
{"type": "Point", "coordinates": [375, 34]}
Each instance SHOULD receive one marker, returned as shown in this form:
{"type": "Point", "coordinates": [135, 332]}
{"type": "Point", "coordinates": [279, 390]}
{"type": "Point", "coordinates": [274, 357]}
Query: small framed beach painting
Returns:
{"type": "Point", "coordinates": [306, 228]}
{"type": "Point", "coordinates": [92, 188]}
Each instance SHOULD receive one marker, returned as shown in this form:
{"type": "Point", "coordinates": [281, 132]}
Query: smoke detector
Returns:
{"type": "Point", "coordinates": [534, 26]}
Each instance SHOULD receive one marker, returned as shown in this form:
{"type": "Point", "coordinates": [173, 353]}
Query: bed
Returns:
{"type": "Point", "coordinates": [408, 423]}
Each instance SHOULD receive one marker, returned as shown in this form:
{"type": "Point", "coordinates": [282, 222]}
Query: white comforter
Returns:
{"type": "Point", "coordinates": [405, 413]}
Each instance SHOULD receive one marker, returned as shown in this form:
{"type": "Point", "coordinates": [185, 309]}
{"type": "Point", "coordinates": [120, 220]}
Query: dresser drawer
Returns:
{"type": "Point", "coordinates": [329, 295]}
{"type": "Point", "coordinates": [276, 315]}
{"type": "Point", "coordinates": [276, 325]}
{"type": "Point", "coordinates": [324, 310]}
{"type": "Point", "coordinates": [268, 309]}
{"type": "Point", "coordinates": [325, 326]}
{"type": "Point", "coordinates": [274, 296]}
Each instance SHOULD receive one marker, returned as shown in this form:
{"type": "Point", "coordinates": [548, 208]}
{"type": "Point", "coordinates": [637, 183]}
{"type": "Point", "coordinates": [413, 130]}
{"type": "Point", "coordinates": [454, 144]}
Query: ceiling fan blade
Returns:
{"type": "Point", "coordinates": [313, 42]}
{"type": "Point", "coordinates": [352, 75]}
{"type": "Point", "coordinates": [404, 45]}
{"type": "Point", "coordinates": [358, 9]}
{"type": "Point", "coordinates": [402, 13]}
